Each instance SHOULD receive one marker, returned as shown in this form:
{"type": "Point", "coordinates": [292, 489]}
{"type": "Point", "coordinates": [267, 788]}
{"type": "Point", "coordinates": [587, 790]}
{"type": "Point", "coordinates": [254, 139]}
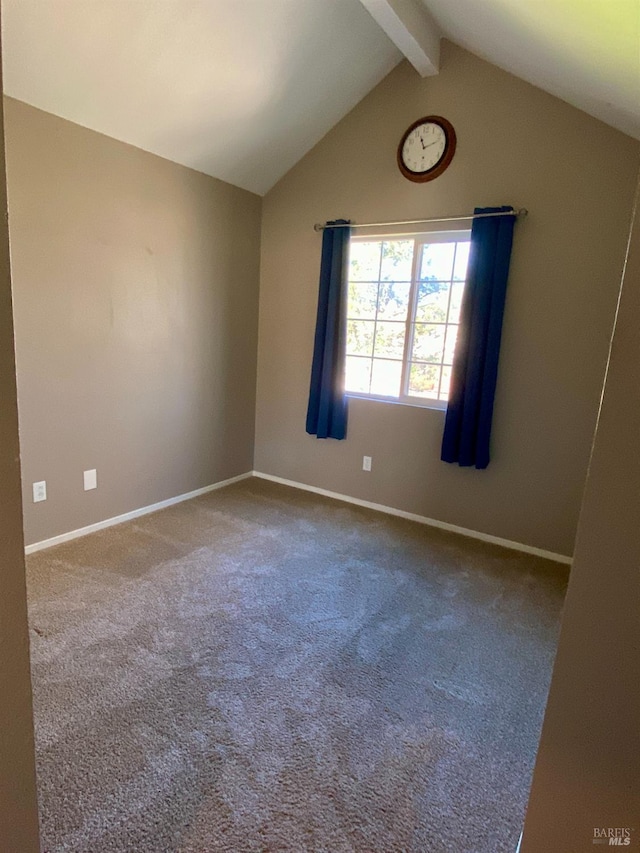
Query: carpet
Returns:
{"type": "Point", "coordinates": [263, 669]}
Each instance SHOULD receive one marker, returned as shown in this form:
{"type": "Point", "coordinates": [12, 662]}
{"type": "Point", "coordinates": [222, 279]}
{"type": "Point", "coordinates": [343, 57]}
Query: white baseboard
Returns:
{"type": "Point", "coordinates": [127, 516]}
{"type": "Point", "coordinates": [422, 519]}
{"type": "Point", "coordinates": [389, 510]}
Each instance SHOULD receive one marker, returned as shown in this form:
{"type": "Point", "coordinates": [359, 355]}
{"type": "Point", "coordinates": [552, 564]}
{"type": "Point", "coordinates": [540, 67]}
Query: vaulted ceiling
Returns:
{"type": "Point", "coordinates": [238, 89]}
{"type": "Point", "coordinates": [242, 89]}
{"type": "Point", "coordinates": [586, 52]}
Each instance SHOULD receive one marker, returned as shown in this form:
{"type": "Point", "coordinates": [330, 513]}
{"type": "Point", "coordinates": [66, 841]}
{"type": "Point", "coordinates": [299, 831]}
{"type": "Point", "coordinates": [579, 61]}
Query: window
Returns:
{"type": "Point", "coordinates": [403, 314]}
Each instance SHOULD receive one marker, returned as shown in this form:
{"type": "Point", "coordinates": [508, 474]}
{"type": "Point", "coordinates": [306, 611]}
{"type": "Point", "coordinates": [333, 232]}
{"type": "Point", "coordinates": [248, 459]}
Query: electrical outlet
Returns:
{"type": "Point", "coordinates": [366, 463]}
{"type": "Point", "coordinates": [90, 480]}
{"type": "Point", "coordinates": [40, 491]}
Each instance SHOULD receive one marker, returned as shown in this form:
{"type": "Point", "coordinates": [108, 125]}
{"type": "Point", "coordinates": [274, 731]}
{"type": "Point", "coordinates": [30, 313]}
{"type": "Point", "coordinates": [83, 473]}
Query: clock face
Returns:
{"type": "Point", "coordinates": [424, 147]}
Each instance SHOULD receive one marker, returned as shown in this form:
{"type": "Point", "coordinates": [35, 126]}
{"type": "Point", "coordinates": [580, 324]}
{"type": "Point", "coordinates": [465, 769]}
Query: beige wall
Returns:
{"type": "Point", "coordinates": [588, 767]}
{"type": "Point", "coordinates": [18, 809]}
{"type": "Point", "coordinates": [516, 145]}
{"type": "Point", "coordinates": [136, 293]}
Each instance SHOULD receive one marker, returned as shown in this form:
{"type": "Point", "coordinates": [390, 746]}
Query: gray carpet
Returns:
{"type": "Point", "coordinates": [261, 669]}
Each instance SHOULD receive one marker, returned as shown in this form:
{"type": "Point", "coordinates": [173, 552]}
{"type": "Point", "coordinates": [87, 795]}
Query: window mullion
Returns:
{"type": "Point", "coordinates": [375, 319]}
{"type": "Point", "coordinates": [411, 314]}
{"type": "Point", "coordinates": [447, 324]}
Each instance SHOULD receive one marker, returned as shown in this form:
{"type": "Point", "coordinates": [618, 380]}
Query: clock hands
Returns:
{"type": "Point", "coordinates": [429, 144]}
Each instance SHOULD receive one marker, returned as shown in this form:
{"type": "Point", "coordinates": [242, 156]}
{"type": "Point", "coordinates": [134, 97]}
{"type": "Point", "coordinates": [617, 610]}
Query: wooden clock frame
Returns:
{"type": "Point", "coordinates": [445, 160]}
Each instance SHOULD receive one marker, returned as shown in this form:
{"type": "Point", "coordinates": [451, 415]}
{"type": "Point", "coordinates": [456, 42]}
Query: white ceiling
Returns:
{"type": "Point", "coordinates": [239, 89]}
{"type": "Point", "coordinates": [586, 52]}
{"type": "Point", "coordinates": [242, 89]}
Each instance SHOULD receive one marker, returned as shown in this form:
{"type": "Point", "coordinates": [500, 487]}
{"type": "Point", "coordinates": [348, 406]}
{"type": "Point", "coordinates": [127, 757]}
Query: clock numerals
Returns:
{"type": "Point", "coordinates": [424, 148]}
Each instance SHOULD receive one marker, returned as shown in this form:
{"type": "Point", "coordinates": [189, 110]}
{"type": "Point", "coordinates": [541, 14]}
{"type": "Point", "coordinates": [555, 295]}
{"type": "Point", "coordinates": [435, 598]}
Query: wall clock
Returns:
{"type": "Point", "coordinates": [426, 148]}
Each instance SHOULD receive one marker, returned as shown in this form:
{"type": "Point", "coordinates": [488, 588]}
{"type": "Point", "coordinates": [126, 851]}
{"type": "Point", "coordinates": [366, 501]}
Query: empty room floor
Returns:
{"type": "Point", "coordinates": [262, 669]}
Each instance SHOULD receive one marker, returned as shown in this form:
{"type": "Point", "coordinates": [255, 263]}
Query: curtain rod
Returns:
{"type": "Point", "coordinates": [517, 213]}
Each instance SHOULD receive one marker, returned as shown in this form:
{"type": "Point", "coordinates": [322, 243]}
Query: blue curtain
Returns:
{"type": "Point", "coordinates": [467, 428]}
{"type": "Point", "coordinates": [327, 410]}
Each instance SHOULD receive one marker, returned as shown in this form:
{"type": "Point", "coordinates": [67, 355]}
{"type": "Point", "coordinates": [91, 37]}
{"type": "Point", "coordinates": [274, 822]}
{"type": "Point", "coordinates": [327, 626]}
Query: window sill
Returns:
{"type": "Point", "coordinates": [432, 405]}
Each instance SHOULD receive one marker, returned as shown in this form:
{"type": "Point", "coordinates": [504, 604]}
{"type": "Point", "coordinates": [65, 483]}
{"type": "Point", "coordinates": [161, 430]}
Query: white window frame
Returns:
{"type": "Point", "coordinates": [419, 240]}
